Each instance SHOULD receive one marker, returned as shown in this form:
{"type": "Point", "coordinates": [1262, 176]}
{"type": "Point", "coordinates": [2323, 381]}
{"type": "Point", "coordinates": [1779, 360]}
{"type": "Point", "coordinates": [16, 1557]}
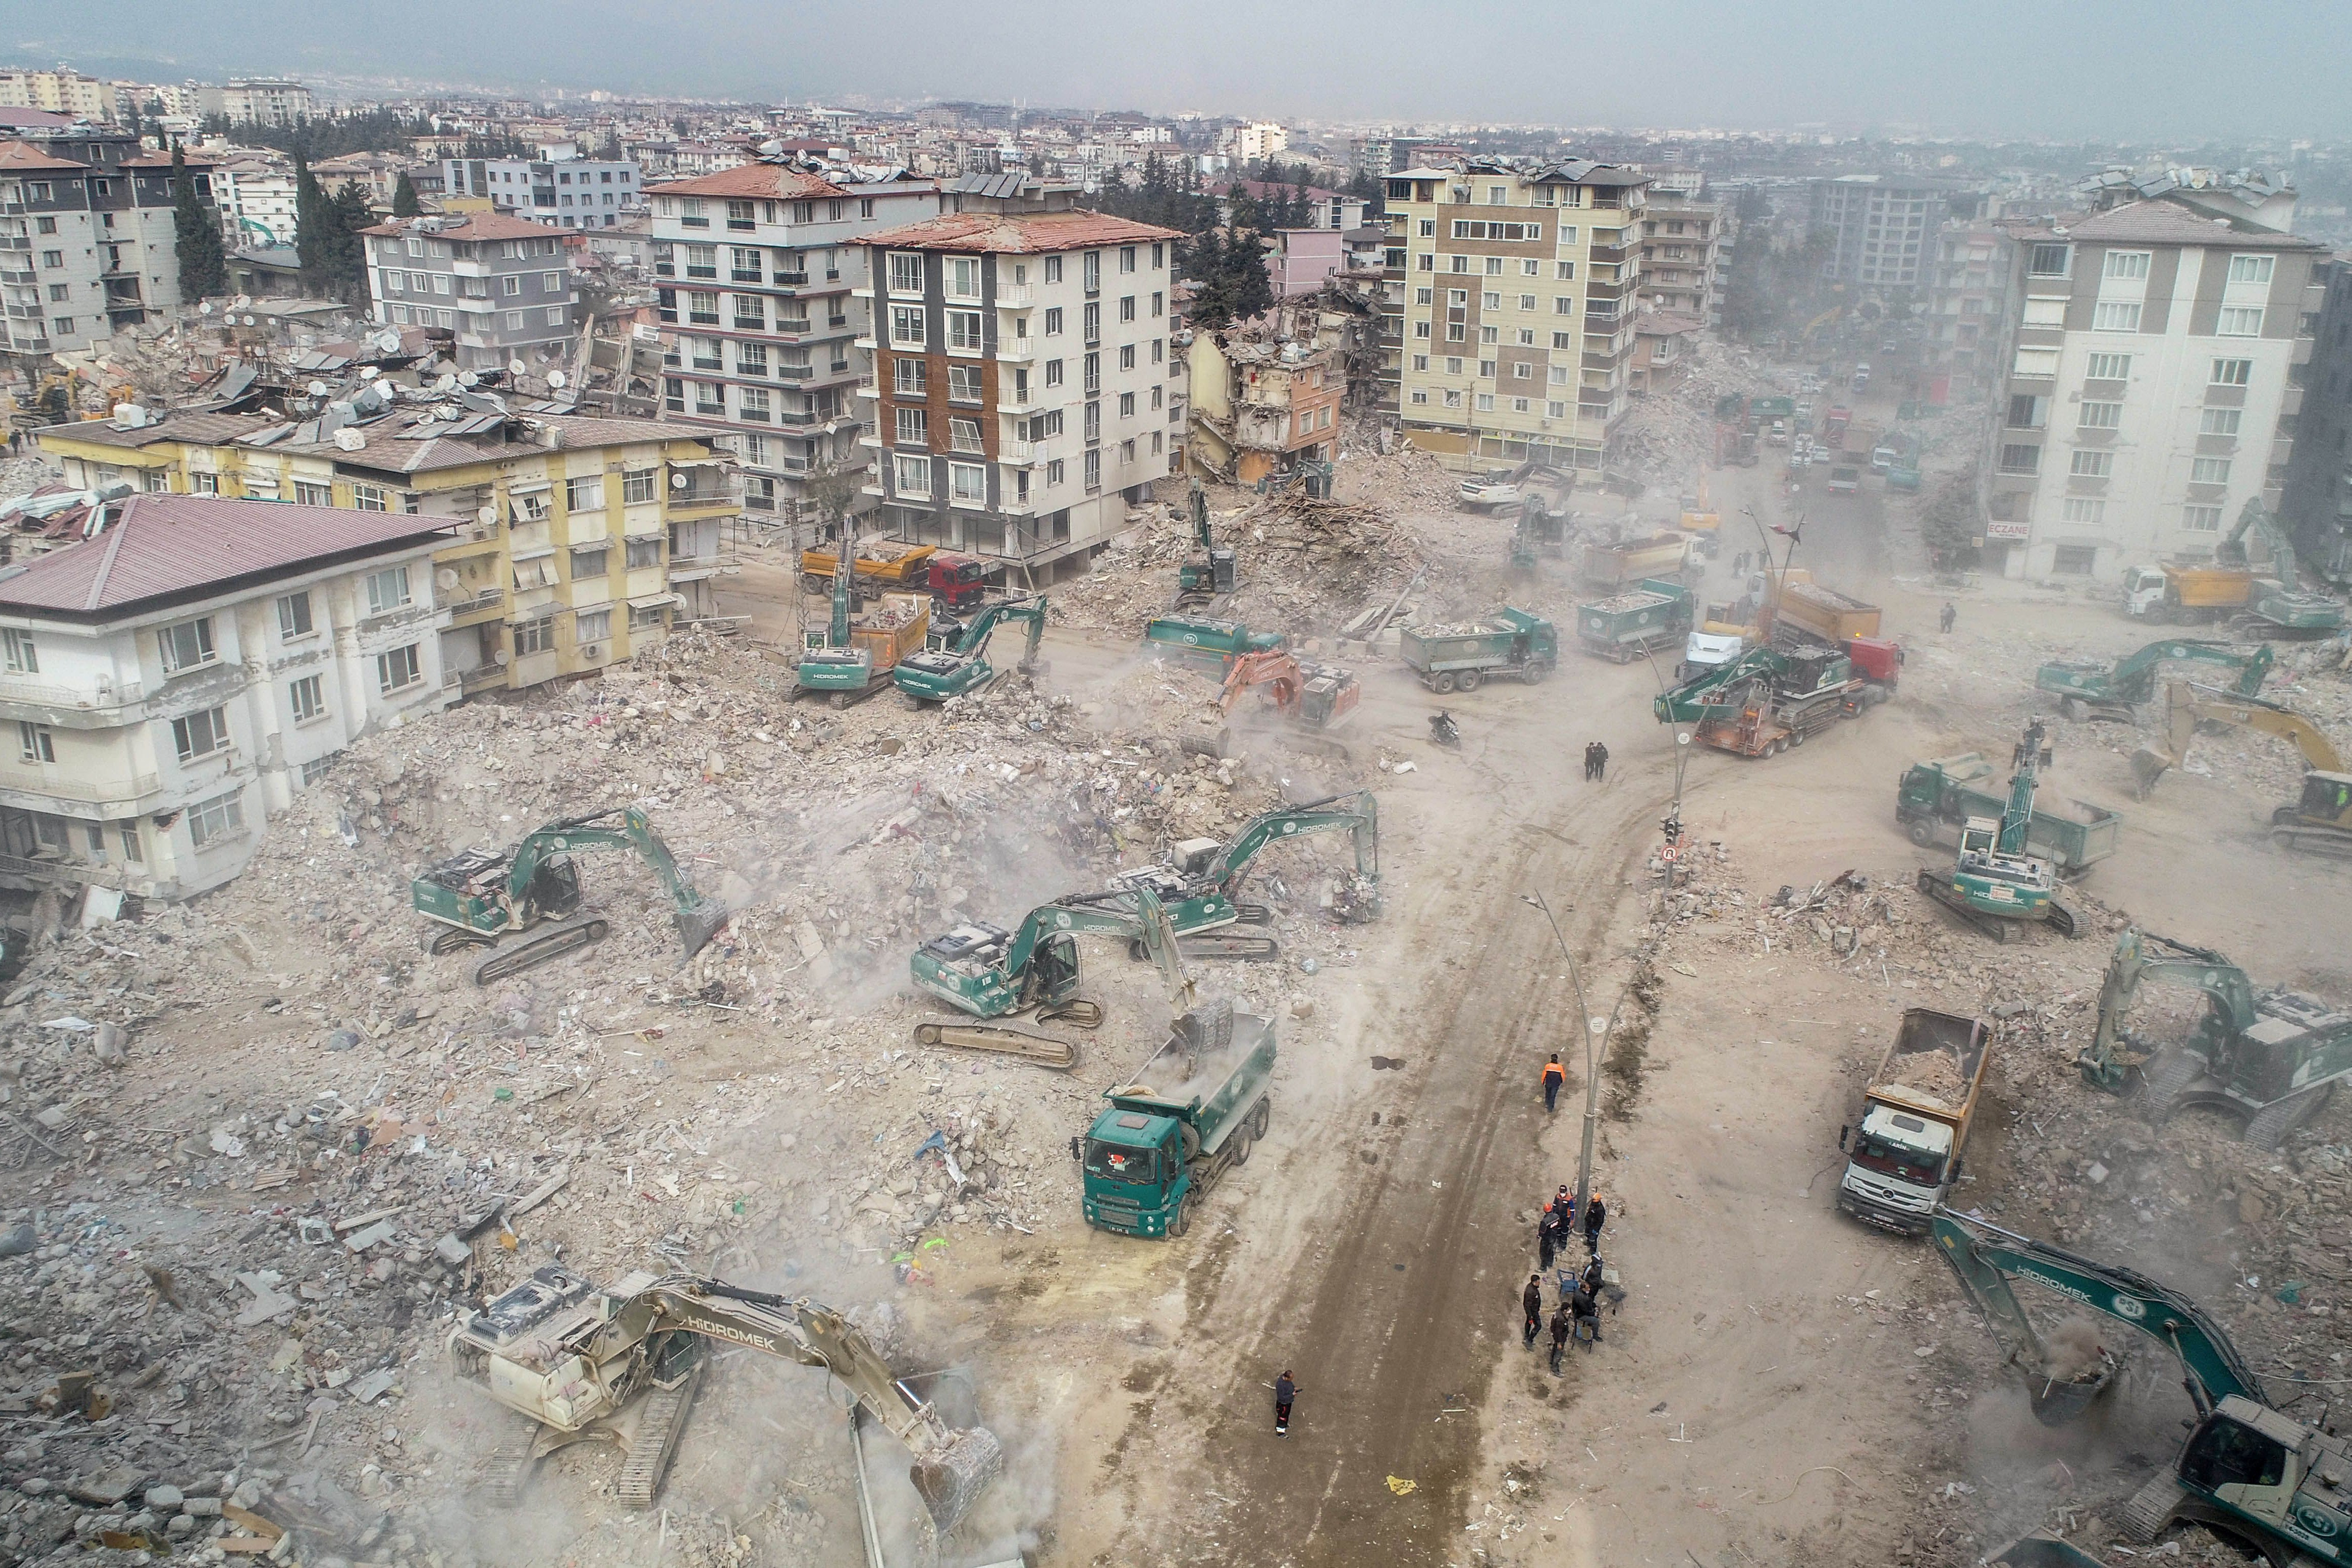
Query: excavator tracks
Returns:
{"type": "Point", "coordinates": [2151, 1508]}
{"type": "Point", "coordinates": [504, 1473]}
{"type": "Point", "coordinates": [1998, 927]}
{"type": "Point", "coordinates": [1044, 1050]}
{"type": "Point", "coordinates": [654, 1441]}
{"type": "Point", "coordinates": [1077, 1013]}
{"type": "Point", "coordinates": [2312, 839]}
{"type": "Point", "coordinates": [570, 938]}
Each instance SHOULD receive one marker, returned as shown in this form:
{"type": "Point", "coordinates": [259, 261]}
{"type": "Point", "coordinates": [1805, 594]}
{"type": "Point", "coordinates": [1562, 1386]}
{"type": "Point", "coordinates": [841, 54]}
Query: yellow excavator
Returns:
{"type": "Point", "coordinates": [622, 1363]}
{"type": "Point", "coordinates": [2320, 822]}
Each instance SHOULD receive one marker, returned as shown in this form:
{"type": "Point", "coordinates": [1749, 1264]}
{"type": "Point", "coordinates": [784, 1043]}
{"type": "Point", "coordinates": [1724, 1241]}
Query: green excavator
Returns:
{"type": "Point", "coordinates": [2248, 1471]}
{"type": "Point", "coordinates": [480, 896]}
{"type": "Point", "coordinates": [1994, 884]}
{"type": "Point", "coordinates": [962, 667]}
{"type": "Point", "coordinates": [991, 972]}
{"type": "Point", "coordinates": [1198, 885]}
{"type": "Point", "coordinates": [2089, 689]}
{"type": "Point", "coordinates": [1202, 579]}
{"type": "Point", "coordinates": [2281, 606]}
{"type": "Point", "coordinates": [2268, 1057]}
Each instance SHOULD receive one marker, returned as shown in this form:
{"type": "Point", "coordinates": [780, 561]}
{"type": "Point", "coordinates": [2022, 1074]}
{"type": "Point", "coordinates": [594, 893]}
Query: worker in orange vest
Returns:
{"type": "Point", "coordinates": [1554, 1075]}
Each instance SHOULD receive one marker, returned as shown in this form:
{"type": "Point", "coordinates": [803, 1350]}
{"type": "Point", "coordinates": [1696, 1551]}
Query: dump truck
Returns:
{"type": "Point", "coordinates": [1458, 657]}
{"type": "Point", "coordinates": [1625, 626]}
{"type": "Point", "coordinates": [877, 574]}
{"type": "Point", "coordinates": [1201, 638]}
{"type": "Point", "coordinates": [1903, 1153]}
{"type": "Point", "coordinates": [1812, 611]}
{"type": "Point", "coordinates": [1191, 1114]}
{"type": "Point", "coordinates": [1934, 799]}
{"type": "Point", "coordinates": [2175, 594]}
{"type": "Point", "coordinates": [1621, 565]}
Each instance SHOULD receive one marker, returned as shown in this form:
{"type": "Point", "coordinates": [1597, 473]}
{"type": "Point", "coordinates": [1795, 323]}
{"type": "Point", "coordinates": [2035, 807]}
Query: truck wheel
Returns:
{"type": "Point", "coordinates": [1798, 738]}
{"type": "Point", "coordinates": [1183, 1220]}
{"type": "Point", "coordinates": [1265, 1117]}
{"type": "Point", "coordinates": [1537, 671]}
{"type": "Point", "coordinates": [1468, 681]}
{"type": "Point", "coordinates": [1922, 833]}
{"type": "Point", "coordinates": [1242, 1139]}
{"type": "Point", "coordinates": [1441, 682]}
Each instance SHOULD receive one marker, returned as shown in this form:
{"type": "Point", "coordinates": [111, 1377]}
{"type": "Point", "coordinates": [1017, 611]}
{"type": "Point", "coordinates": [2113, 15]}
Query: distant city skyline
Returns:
{"type": "Point", "coordinates": [2156, 69]}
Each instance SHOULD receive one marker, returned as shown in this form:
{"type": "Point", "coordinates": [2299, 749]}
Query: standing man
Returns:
{"type": "Point", "coordinates": [1554, 1075]}
{"type": "Point", "coordinates": [1548, 1238]}
{"type": "Point", "coordinates": [1596, 1215]}
{"type": "Point", "coordinates": [1284, 1391]}
{"type": "Point", "coordinates": [1599, 762]}
{"type": "Point", "coordinates": [1563, 1324]}
{"type": "Point", "coordinates": [1531, 1299]}
{"type": "Point", "coordinates": [1951, 615]}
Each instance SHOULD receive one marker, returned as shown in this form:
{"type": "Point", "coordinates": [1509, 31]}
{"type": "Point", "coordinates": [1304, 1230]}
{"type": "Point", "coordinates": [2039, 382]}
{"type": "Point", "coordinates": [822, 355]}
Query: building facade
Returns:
{"type": "Point", "coordinates": [761, 287]}
{"type": "Point", "coordinates": [1882, 228]}
{"type": "Point", "coordinates": [257, 200]}
{"type": "Point", "coordinates": [2151, 392]}
{"type": "Point", "coordinates": [501, 284]}
{"type": "Point", "coordinates": [561, 192]}
{"type": "Point", "coordinates": [257, 101]}
{"type": "Point", "coordinates": [574, 541]}
{"type": "Point", "coordinates": [168, 684]}
{"type": "Point", "coordinates": [60, 92]}
{"type": "Point", "coordinates": [86, 244]}
{"type": "Point", "coordinates": [1970, 311]}
{"type": "Point", "coordinates": [1519, 282]}
{"type": "Point", "coordinates": [1682, 271]}
{"type": "Point", "coordinates": [1261, 407]}
{"type": "Point", "coordinates": [2318, 506]}
{"type": "Point", "coordinates": [1021, 380]}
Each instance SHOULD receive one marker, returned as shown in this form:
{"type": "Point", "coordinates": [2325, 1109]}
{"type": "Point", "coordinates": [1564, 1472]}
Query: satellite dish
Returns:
{"type": "Point", "coordinates": [349, 440]}
{"type": "Point", "coordinates": [317, 389]}
{"type": "Point", "coordinates": [467, 378]}
{"type": "Point", "coordinates": [243, 301]}
{"type": "Point", "coordinates": [369, 372]}
{"type": "Point", "coordinates": [555, 378]}
{"type": "Point", "coordinates": [486, 516]}
{"type": "Point", "coordinates": [500, 656]}
{"type": "Point", "coordinates": [677, 481]}
{"type": "Point", "coordinates": [446, 579]}
{"type": "Point", "coordinates": [446, 383]}
{"type": "Point", "coordinates": [516, 367]}
{"type": "Point", "coordinates": [205, 307]}
{"type": "Point", "coordinates": [249, 321]}
{"type": "Point", "coordinates": [388, 341]}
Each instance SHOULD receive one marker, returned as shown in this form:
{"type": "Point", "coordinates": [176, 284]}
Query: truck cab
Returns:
{"type": "Point", "coordinates": [957, 582]}
{"type": "Point", "coordinates": [1899, 1161]}
{"type": "Point", "coordinates": [1845, 479]}
{"type": "Point", "coordinates": [1135, 1176]}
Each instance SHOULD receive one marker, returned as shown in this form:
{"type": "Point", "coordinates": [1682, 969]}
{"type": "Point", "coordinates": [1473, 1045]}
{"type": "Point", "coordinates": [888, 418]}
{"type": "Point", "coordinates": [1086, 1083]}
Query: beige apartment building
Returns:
{"type": "Point", "coordinates": [1520, 281]}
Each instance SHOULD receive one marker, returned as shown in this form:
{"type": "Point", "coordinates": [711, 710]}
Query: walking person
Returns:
{"type": "Point", "coordinates": [1599, 762]}
{"type": "Point", "coordinates": [1951, 615]}
{"type": "Point", "coordinates": [1531, 1299]}
{"type": "Point", "coordinates": [1563, 1324]}
{"type": "Point", "coordinates": [1596, 1215]}
{"type": "Point", "coordinates": [1284, 1391]}
{"type": "Point", "coordinates": [1554, 1075]}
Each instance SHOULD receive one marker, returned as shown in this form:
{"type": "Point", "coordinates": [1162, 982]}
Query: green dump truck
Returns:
{"type": "Point", "coordinates": [1934, 799]}
{"type": "Point", "coordinates": [1201, 639]}
{"type": "Point", "coordinates": [1192, 1113]}
{"type": "Point", "coordinates": [1625, 627]}
{"type": "Point", "coordinates": [1458, 657]}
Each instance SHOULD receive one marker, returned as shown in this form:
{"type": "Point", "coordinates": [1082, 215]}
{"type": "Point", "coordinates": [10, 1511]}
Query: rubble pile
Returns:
{"type": "Point", "coordinates": [261, 1148]}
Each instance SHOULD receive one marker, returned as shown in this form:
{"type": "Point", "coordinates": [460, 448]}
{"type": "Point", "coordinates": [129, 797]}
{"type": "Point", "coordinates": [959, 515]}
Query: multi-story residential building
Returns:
{"type": "Point", "coordinates": [1261, 406]}
{"type": "Point", "coordinates": [559, 188]}
{"type": "Point", "coordinates": [1519, 282]}
{"type": "Point", "coordinates": [2318, 505]}
{"type": "Point", "coordinates": [257, 101]}
{"type": "Point", "coordinates": [761, 279]}
{"type": "Point", "coordinates": [1969, 312]}
{"type": "Point", "coordinates": [377, 173]}
{"type": "Point", "coordinates": [86, 244]}
{"type": "Point", "coordinates": [257, 199]}
{"type": "Point", "coordinates": [1882, 226]}
{"type": "Point", "coordinates": [1021, 377]}
{"type": "Point", "coordinates": [60, 91]}
{"type": "Point", "coordinates": [1303, 260]}
{"type": "Point", "coordinates": [1682, 270]}
{"type": "Point", "coordinates": [503, 285]}
{"type": "Point", "coordinates": [169, 683]}
{"type": "Point", "coordinates": [575, 539]}
{"type": "Point", "coordinates": [1384, 155]}
{"type": "Point", "coordinates": [1258, 139]}
{"type": "Point", "coordinates": [2152, 390]}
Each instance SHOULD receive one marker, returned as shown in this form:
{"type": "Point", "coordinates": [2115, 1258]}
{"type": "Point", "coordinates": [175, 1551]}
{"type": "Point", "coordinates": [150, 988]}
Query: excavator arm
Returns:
{"type": "Point", "coordinates": [1077, 916]}
{"type": "Point", "coordinates": [1984, 1258]}
{"type": "Point", "coordinates": [1358, 813]}
{"type": "Point", "coordinates": [2186, 704]}
{"type": "Point", "coordinates": [1689, 702]}
{"type": "Point", "coordinates": [1272, 668]}
{"type": "Point", "coordinates": [2134, 680]}
{"type": "Point", "coordinates": [699, 918]}
{"type": "Point", "coordinates": [2141, 956]}
{"type": "Point", "coordinates": [951, 1468]}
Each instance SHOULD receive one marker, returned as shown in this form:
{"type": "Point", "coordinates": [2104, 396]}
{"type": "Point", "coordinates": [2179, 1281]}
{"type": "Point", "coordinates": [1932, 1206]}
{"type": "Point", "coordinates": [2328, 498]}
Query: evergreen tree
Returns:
{"type": "Point", "coordinates": [405, 202]}
{"type": "Point", "coordinates": [313, 217]}
{"type": "Point", "coordinates": [353, 212]}
{"type": "Point", "coordinates": [1204, 266]}
{"type": "Point", "coordinates": [196, 237]}
{"type": "Point", "coordinates": [1252, 291]}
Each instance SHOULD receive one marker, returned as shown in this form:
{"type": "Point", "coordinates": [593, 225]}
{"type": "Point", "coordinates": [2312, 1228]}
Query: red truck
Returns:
{"type": "Point", "coordinates": [957, 582]}
{"type": "Point", "coordinates": [1833, 426]}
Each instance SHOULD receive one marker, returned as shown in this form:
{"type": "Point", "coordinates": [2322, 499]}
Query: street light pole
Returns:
{"type": "Point", "coordinates": [1594, 1029]}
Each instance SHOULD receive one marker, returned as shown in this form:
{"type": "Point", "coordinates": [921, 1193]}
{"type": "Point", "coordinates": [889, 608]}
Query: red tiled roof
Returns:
{"type": "Point", "coordinates": [23, 156]}
{"type": "Point", "coordinates": [477, 227]}
{"type": "Point", "coordinates": [773, 181]}
{"type": "Point", "coordinates": [43, 118]}
{"type": "Point", "coordinates": [1019, 233]}
{"type": "Point", "coordinates": [159, 546]}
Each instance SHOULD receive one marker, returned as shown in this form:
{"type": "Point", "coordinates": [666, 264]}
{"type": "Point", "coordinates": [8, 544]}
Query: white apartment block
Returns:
{"type": "Point", "coordinates": [763, 297]}
{"type": "Point", "coordinates": [168, 684]}
{"type": "Point", "coordinates": [60, 92]}
{"type": "Point", "coordinates": [1023, 387]}
{"type": "Point", "coordinates": [559, 188]}
{"type": "Point", "coordinates": [257, 202]}
{"type": "Point", "coordinates": [2156, 351]}
{"type": "Point", "coordinates": [257, 100]}
{"type": "Point", "coordinates": [1259, 139]}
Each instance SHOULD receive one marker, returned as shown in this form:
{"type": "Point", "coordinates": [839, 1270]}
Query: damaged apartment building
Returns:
{"type": "Point", "coordinates": [1267, 396]}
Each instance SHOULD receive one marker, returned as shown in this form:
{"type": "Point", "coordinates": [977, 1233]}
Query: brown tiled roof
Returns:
{"type": "Point", "coordinates": [387, 452]}
{"type": "Point", "coordinates": [773, 181]}
{"type": "Point", "coordinates": [163, 546]}
{"type": "Point", "coordinates": [163, 161]}
{"type": "Point", "coordinates": [1019, 233]}
{"type": "Point", "coordinates": [2169, 222]}
{"type": "Point", "coordinates": [200, 429]}
{"type": "Point", "coordinates": [24, 157]}
{"type": "Point", "coordinates": [476, 226]}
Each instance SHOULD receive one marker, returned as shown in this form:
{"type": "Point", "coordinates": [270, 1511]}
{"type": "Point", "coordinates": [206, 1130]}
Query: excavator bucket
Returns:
{"type": "Point", "coordinates": [698, 925]}
{"type": "Point", "coordinates": [952, 1476]}
{"type": "Point", "coordinates": [2148, 765]}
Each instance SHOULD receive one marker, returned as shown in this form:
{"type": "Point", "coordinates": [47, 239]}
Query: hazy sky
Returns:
{"type": "Point", "coordinates": [2091, 69]}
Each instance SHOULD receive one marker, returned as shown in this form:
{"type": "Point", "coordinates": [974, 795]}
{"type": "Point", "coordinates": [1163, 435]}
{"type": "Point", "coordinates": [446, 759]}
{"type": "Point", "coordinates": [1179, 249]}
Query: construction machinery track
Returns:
{"type": "Point", "coordinates": [570, 938]}
{"type": "Point", "coordinates": [1937, 885]}
{"type": "Point", "coordinates": [1044, 1050]}
{"type": "Point", "coordinates": [653, 1442]}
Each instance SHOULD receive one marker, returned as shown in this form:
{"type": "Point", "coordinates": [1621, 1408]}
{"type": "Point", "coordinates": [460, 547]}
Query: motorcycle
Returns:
{"type": "Point", "coordinates": [1442, 729]}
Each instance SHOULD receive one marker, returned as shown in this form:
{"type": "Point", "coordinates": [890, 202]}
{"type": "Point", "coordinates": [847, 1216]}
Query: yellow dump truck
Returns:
{"type": "Point", "coordinates": [877, 574]}
{"type": "Point", "coordinates": [2172, 594]}
{"type": "Point", "coordinates": [893, 629]}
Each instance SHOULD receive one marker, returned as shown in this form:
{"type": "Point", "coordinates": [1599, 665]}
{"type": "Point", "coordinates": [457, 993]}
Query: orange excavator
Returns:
{"type": "Point", "coordinates": [1316, 695]}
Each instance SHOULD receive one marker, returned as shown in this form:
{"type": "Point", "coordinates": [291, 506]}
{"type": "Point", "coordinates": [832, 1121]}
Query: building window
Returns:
{"type": "Point", "coordinates": [701, 308]}
{"type": "Point", "coordinates": [638, 554]}
{"type": "Point", "coordinates": [2250, 268]}
{"type": "Point", "coordinates": [2109, 367]}
{"type": "Point", "coordinates": [964, 434]}
{"type": "Point", "coordinates": [186, 645]}
{"type": "Point", "coordinates": [1555, 410]}
{"type": "Point", "coordinates": [2209, 470]}
{"type": "Point", "coordinates": [961, 276]}
{"type": "Point", "coordinates": [34, 744]}
{"type": "Point", "coordinates": [2020, 460]}
{"type": "Point", "coordinates": [1090, 321]}
{"type": "Point", "coordinates": [309, 698]}
{"type": "Point", "coordinates": [312, 495]}
{"type": "Point", "coordinates": [1127, 406]}
{"type": "Point", "coordinates": [914, 427]}
{"type": "Point", "coordinates": [387, 590]}
{"type": "Point", "coordinates": [2127, 264]}
{"type": "Point", "coordinates": [1127, 356]}
{"type": "Point", "coordinates": [2092, 465]}
{"type": "Point", "coordinates": [1054, 472]}
{"type": "Point", "coordinates": [640, 486]}
{"type": "Point", "coordinates": [906, 273]}
{"type": "Point", "coordinates": [2099, 417]}
{"type": "Point", "coordinates": [2201, 518]}
{"type": "Point", "coordinates": [18, 648]}
{"type": "Point", "coordinates": [2220, 421]}
{"type": "Point", "coordinates": [2240, 322]}
{"type": "Point", "coordinates": [909, 377]}
{"type": "Point", "coordinates": [912, 477]}
{"type": "Point", "coordinates": [398, 669]}
{"type": "Point", "coordinates": [591, 561]}
{"type": "Point", "coordinates": [2048, 261]}
{"type": "Point", "coordinates": [2086, 511]}
{"type": "Point", "coordinates": [2233, 372]}
{"type": "Point", "coordinates": [294, 617]}
{"type": "Point", "coordinates": [1053, 373]}
{"type": "Point", "coordinates": [1054, 321]}
{"type": "Point", "coordinates": [967, 482]}
{"type": "Point", "coordinates": [210, 821]}
{"type": "Point", "coordinates": [2115, 316]}
{"type": "Point", "coordinates": [1094, 468]}
{"type": "Point", "coordinates": [200, 734]}
{"type": "Point", "coordinates": [534, 636]}
{"type": "Point", "coordinates": [906, 325]}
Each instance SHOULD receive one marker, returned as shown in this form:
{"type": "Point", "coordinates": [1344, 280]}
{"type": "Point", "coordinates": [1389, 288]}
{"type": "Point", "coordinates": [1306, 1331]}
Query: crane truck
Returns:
{"type": "Point", "coordinates": [961, 666]}
{"type": "Point", "coordinates": [2248, 1470]}
{"type": "Point", "coordinates": [1934, 799]}
{"type": "Point", "coordinates": [2086, 689]}
{"type": "Point", "coordinates": [479, 896]}
{"type": "Point", "coordinates": [847, 661]}
{"type": "Point", "coordinates": [2319, 821]}
{"type": "Point", "coordinates": [1995, 885]}
{"type": "Point", "coordinates": [622, 1363]}
{"type": "Point", "coordinates": [2267, 1057]}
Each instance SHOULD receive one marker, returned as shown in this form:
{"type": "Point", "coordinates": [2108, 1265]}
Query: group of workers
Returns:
{"type": "Point", "coordinates": [1579, 1309]}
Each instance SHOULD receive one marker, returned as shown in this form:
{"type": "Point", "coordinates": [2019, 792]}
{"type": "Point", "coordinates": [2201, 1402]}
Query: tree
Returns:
{"type": "Point", "coordinates": [196, 237]}
{"type": "Point", "coordinates": [405, 202]}
{"type": "Point", "coordinates": [352, 213]}
{"type": "Point", "coordinates": [313, 216]}
{"type": "Point", "coordinates": [1253, 290]}
{"type": "Point", "coordinates": [1213, 290]}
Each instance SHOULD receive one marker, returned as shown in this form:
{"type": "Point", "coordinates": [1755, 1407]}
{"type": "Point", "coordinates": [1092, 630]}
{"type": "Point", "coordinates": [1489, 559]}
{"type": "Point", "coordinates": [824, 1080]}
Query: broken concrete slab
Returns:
{"type": "Point", "coordinates": [107, 1488]}
{"type": "Point", "coordinates": [269, 1301]}
{"type": "Point", "coordinates": [383, 1230]}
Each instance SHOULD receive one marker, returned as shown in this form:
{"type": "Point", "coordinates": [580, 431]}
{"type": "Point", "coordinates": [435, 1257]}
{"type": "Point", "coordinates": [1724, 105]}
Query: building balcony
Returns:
{"type": "Point", "coordinates": [486, 602]}
{"type": "Point", "coordinates": [1015, 298]}
{"type": "Point", "coordinates": [482, 678]}
{"type": "Point", "coordinates": [1016, 351]}
{"type": "Point", "coordinates": [1024, 454]}
{"type": "Point", "coordinates": [54, 784]}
